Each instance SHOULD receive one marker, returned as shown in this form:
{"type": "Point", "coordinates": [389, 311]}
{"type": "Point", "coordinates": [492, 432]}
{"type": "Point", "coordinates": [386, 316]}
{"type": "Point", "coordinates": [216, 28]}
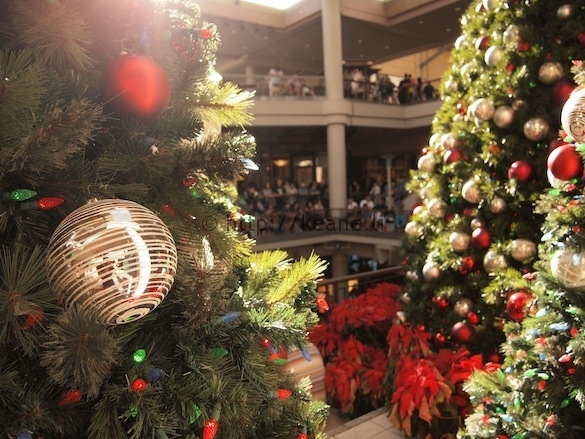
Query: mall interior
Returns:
{"type": "Point", "coordinates": [341, 131]}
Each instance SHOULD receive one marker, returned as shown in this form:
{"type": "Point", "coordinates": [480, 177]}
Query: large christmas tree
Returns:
{"type": "Point", "coordinates": [539, 391]}
{"type": "Point", "coordinates": [130, 304]}
{"type": "Point", "coordinates": [471, 245]}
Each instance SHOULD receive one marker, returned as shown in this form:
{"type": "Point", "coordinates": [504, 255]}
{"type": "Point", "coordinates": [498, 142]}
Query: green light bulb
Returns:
{"type": "Point", "coordinates": [139, 356]}
{"type": "Point", "coordinates": [22, 194]}
{"type": "Point", "coordinates": [195, 415]}
{"type": "Point", "coordinates": [218, 352]}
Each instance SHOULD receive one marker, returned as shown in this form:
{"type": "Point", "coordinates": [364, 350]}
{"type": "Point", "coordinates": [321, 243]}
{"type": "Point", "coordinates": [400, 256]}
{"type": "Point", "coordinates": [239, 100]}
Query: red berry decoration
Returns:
{"type": "Point", "coordinates": [136, 86]}
{"type": "Point", "coordinates": [481, 238]}
{"type": "Point", "coordinates": [516, 305]}
{"type": "Point", "coordinates": [462, 332]}
{"type": "Point", "coordinates": [564, 162]}
{"type": "Point", "coordinates": [521, 170]}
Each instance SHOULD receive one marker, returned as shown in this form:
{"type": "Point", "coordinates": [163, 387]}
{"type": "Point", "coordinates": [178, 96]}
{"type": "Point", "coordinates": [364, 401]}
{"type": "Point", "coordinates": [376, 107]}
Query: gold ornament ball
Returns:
{"type": "Point", "coordinates": [463, 307]}
{"type": "Point", "coordinates": [483, 109]}
{"type": "Point", "coordinates": [497, 205]}
{"type": "Point", "coordinates": [411, 229]}
{"type": "Point", "coordinates": [536, 129]}
{"type": "Point", "coordinates": [504, 116]}
{"type": "Point", "coordinates": [493, 56]}
{"type": "Point", "coordinates": [113, 256]}
{"type": "Point", "coordinates": [494, 262]}
{"type": "Point", "coordinates": [431, 271]}
{"type": "Point", "coordinates": [550, 72]}
{"type": "Point", "coordinates": [459, 241]}
{"type": "Point", "coordinates": [573, 115]}
{"type": "Point", "coordinates": [511, 35]}
{"type": "Point", "coordinates": [569, 267]}
{"type": "Point", "coordinates": [522, 249]}
{"type": "Point", "coordinates": [476, 223]}
{"type": "Point", "coordinates": [427, 163]}
{"type": "Point", "coordinates": [437, 207]}
{"type": "Point", "coordinates": [471, 192]}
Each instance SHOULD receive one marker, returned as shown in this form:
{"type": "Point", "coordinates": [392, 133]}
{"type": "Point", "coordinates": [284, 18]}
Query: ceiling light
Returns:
{"type": "Point", "coordinates": [281, 5]}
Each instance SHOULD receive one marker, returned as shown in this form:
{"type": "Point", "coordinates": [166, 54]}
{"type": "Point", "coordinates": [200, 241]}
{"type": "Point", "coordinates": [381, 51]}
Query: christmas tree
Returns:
{"type": "Point", "coordinates": [471, 245]}
{"type": "Point", "coordinates": [131, 305]}
{"type": "Point", "coordinates": [539, 390]}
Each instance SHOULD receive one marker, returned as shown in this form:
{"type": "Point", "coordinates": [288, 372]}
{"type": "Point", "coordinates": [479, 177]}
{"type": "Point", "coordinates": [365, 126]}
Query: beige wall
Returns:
{"type": "Point", "coordinates": [429, 65]}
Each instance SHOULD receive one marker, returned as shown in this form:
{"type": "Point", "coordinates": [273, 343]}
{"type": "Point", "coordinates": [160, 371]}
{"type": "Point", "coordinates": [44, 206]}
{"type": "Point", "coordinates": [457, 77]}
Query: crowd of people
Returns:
{"type": "Point", "coordinates": [357, 86]}
{"type": "Point", "coordinates": [286, 207]}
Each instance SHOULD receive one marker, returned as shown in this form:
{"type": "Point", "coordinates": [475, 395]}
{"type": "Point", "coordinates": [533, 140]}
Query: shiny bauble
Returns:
{"type": "Point", "coordinates": [405, 298]}
{"type": "Point", "coordinates": [136, 86]}
{"type": "Point", "coordinates": [482, 43]}
{"type": "Point", "coordinates": [476, 223]}
{"type": "Point", "coordinates": [568, 266]}
{"type": "Point", "coordinates": [411, 276]}
{"type": "Point", "coordinates": [517, 304]}
{"type": "Point", "coordinates": [565, 163]}
{"type": "Point", "coordinates": [435, 140]}
{"type": "Point", "coordinates": [521, 170]}
{"type": "Point", "coordinates": [412, 230]}
{"type": "Point", "coordinates": [449, 141]}
{"type": "Point", "coordinates": [440, 339]}
{"type": "Point", "coordinates": [437, 208]}
{"type": "Point", "coordinates": [471, 192]}
{"type": "Point", "coordinates": [561, 92]}
{"type": "Point", "coordinates": [468, 72]}
{"type": "Point", "coordinates": [459, 42]}
{"type": "Point", "coordinates": [481, 238]}
{"type": "Point", "coordinates": [459, 241]}
{"type": "Point", "coordinates": [451, 85]}
{"type": "Point", "coordinates": [504, 116]}
{"type": "Point", "coordinates": [550, 72]}
{"type": "Point", "coordinates": [462, 332]}
{"type": "Point", "coordinates": [497, 205]}
{"type": "Point", "coordinates": [494, 262]}
{"type": "Point", "coordinates": [522, 250]}
{"type": "Point", "coordinates": [440, 302]}
{"type": "Point", "coordinates": [536, 129]}
{"type": "Point", "coordinates": [511, 35]}
{"type": "Point", "coordinates": [463, 306]}
{"type": "Point", "coordinates": [493, 56]}
{"type": "Point", "coordinates": [452, 156]}
{"type": "Point", "coordinates": [114, 257]}
{"type": "Point", "coordinates": [473, 318]}
{"type": "Point", "coordinates": [427, 163]}
{"type": "Point", "coordinates": [490, 4]}
{"type": "Point", "coordinates": [565, 11]}
{"type": "Point", "coordinates": [573, 115]}
{"type": "Point", "coordinates": [555, 182]}
{"type": "Point", "coordinates": [431, 271]}
{"type": "Point", "coordinates": [483, 109]}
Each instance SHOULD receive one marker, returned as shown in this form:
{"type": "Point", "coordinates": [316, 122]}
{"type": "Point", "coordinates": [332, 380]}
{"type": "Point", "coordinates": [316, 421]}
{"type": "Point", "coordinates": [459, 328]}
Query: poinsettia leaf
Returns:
{"type": "Point", "coordinates": [423, 411]}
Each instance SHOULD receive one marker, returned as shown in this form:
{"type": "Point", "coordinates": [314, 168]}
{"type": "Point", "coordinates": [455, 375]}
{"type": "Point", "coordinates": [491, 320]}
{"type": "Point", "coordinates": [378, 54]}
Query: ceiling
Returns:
{"type": "Point", "coordinates": [373, 32]}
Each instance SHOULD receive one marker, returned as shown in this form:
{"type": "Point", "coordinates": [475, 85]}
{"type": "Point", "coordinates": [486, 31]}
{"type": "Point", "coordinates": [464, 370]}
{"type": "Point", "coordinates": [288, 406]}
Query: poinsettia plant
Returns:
{"type": "Point", "coordinates": [352, 342]}
{"type": "Point", "coordinates": [425, 387]}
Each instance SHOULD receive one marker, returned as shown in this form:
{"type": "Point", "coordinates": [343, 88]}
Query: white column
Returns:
{"type": "Point", "coordinates": [333, 68]}
{"type": "Point", "coordinates": [250, 79]}
{"type": "Point", "coordinates": [389, 194]}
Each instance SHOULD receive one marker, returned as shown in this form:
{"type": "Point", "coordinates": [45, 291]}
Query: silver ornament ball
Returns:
{"type": "Point", "coordinates": [463, 307]}
{"type": "Point", "coordinates": [427, 163]}
{"type": "Point", "coordinates": [494, 262]}
{"type": "Point", "coordinates": [431, 271]}
{"type": "Point", "coordinates": [497, 205]}
{"type": "Point", "coordinates": [483, 109]}
{"type": "Point", "coordinates": [459, 241]}
{"type": "Point", "coordinates": [471, 192]}
{"type": "Point", "coordinates": [565, 11]}
{"type": "Point", "coordinates": [573, 115]}
{"type": "Point", "coordinates": [493, 56]}
{"type": "Point", "coordinates": [504, 116]}
{"type": "Point", "coordinates": [550, 72]}
{"type": "Point", "coordinates": [522, 249]}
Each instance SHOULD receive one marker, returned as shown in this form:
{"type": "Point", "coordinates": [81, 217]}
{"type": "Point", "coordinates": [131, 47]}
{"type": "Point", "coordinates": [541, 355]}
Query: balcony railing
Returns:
{"type": "Point", "coordinates": [314, 87]}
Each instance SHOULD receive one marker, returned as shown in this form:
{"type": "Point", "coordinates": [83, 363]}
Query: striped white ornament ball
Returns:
{"type": "Point", "coordinates": [113, 256]}
{"type": "Point", "coordinates": [573, 115]}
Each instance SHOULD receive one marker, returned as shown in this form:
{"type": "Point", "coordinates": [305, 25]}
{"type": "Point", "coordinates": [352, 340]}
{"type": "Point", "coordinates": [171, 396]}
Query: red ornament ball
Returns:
{"type": "Point", "coordinates": [205, 34]}
{"type": "Point", "coordinates": [136, 86]}
{"type": "Point", "coordinates": [481, 238]}
{"type": "Point", "coordinates": [516, 305]}
{"type": "Point", "coordinates": [440, 338]}
{"type": "Point", "coordinates": [555, 143]}
{"type": "Point", "coordinates": [564, 162]}
{"type": "Point", "coordinates": [473, 318]}
{"type": "Point", "coordinates": [561, 92]}
{"type": "Point", "coordinates": [521, 170]}
{"type": "Point", "coordinates": [462, 332]}
{"type": "Point", "coordinates": [581, 39]}
{"type": "Point", "coordinates": [452, 156]}
{"type": "Point", "coordinates": [482, 43]}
